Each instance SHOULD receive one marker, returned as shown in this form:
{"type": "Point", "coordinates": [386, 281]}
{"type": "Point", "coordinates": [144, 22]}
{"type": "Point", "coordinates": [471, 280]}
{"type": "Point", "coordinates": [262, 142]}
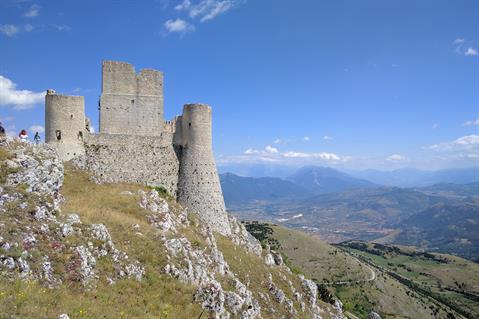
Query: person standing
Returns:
{"type": "Point", "coordinates": [37, 138]}
{"type": "Point", "coordinates": [23, 136]}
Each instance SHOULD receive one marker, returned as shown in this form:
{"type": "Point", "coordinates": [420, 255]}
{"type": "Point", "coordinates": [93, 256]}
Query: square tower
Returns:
{"type": "Point", "coordinates": [131, 103]}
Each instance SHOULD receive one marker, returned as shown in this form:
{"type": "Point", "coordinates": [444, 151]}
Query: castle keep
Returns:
{"type": "Point", "coordinates": [136, 145]}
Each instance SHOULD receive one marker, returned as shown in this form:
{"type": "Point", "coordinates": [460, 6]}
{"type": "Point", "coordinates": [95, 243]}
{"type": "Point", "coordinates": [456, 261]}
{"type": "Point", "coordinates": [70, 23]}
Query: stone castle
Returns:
{"type": "Point", "coordinates": [136, 145]}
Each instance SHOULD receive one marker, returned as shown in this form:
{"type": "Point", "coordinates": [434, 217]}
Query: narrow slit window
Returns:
{"type": "Point", "coordinates": [58, 134]}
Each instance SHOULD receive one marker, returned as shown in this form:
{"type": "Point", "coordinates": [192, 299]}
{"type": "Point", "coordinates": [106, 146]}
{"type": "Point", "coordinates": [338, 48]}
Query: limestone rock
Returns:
{"type": "Point", "coordinates": [373, 315]}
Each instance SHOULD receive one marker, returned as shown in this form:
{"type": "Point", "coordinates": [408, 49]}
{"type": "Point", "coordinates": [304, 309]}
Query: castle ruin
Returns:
{"type": "Point", "coordinates": [136, 145]}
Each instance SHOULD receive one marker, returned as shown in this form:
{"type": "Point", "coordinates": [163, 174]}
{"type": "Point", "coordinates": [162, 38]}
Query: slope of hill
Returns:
{"type": "Point", "coordinates": [326, 180]}
{"type": "Point", "coordinates": [243, 190]}
{"type": "Point", "coordinates": [362, 286]}
{"type": "Point", "coordinates": [451, 228]}
{"type": "Point", "coordinates": [451, 189]}
{"type": "Point", "coordinates": [71, 248]}
{"type": "Point", "coordinates": [450, 280]}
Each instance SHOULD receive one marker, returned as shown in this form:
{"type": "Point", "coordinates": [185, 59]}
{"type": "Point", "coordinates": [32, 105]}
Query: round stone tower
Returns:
{"type": "Point", "coordinates": [65, 124]}
{"type": "Point", "coordinates": [198, 185]}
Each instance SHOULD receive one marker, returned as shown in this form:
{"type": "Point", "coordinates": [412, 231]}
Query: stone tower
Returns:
{"type": "Point", "coordinates": [130, 103]}
{"type": "Point", "coordinates": [198, 182]}
{"type": "Point", "coordinates": [135, 144]}
{"type": "Point", "coordinates": [65, 124]}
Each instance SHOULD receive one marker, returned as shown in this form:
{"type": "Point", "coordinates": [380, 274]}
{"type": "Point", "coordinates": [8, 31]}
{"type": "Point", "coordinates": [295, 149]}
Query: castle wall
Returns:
{"type": "Point", "coordinates": [65, 124]}
{"type": "Point", "coordinates": [135, 145]}
{"type": "Point", "coordinates": [198, 183]}
{"type": "Point", "coordinates": [114, 158]}
{"type": "Point", "coordinates": [130, 103]}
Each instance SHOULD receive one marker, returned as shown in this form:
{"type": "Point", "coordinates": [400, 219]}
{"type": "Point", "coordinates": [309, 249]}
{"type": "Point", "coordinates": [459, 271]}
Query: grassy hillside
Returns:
{"type": "Point", "coordinates": [352, 278]}
{"type": "Point", "coordinates": [319, 260]}
{"type": "Point", "coordinates": [54, 281]}
{"type": "Point", "coordinates": [451, 228]}
{"type": "Point", "coordinates": [450, 279]}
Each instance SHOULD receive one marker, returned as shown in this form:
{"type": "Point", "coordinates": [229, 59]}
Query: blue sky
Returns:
{"type": "Point", "coordinates": [349, 84]}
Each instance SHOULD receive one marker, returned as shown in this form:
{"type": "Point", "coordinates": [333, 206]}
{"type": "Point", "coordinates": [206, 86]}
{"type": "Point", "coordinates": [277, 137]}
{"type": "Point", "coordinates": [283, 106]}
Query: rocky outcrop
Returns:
{"type": "Point", "coordinates": [373, 315]}
{"type": "Point", "coordinates": [31, 225]}
{"type": "Point", "coordinates": [200, 266]}
{"type": "Point", "coordinates": [39, 242]}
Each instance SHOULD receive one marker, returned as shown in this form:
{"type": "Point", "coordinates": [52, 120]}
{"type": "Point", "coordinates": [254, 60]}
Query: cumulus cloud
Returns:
{"type": "Point", "coordinates": [463, 47]}
{"type": "Point", "coordinates": [327, 138]}
{"type": "Point", "coordinates": [306, 139]}
{"type": "Point", "coordinates": [470, 52]}
{"type": "Point", "coordinates": [322, 155]}
{"type": "Point", "coordinates": [273, 154]}
{"type": "Point", "coordinates": [37, 128]}
{"type": "Point", "coordinates": [267, 150]}
{"type": "Point", "coordinates": [397, 158]}
{"type": "Point", "coordinates": [206, 9]}
{"type": "Point", "coordinates": [32, 12]}
{"type": "Point", "coordinates": [19, 99]}
{"type": "Point", "coordinates": [465, 143]}
{"type": "Point", "coordinates": [471, 123]}
{"type": "Point", "coordinates": [9, 30]}
{"type": "Point", "coordinates": [179, 26]}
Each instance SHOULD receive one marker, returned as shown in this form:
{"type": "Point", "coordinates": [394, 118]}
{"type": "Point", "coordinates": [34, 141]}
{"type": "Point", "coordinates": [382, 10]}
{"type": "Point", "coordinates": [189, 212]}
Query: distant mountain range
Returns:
{"type": "Point", "coordinates": [444, 228]}
{"type": "Point", "coordinates": [405, 177]}
{"type": "Point", "coordinates": [320, 180]}
{"type": "Point", "coordinates": [237, 189]}
{"type": "Point", "coordinates": [443, 217]}
{"type": "Point", "coordinates": [408, 177]}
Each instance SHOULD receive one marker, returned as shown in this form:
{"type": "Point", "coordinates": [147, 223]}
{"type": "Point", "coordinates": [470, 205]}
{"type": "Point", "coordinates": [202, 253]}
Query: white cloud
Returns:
{"type": "Point", "coordinates": [463, 47]}
{"type": "Point", "coordinates": [471, 52]}
{"type": "Point", "coordinates": [327, 138]}
{"type": "Point", "coordinates": [178, 25]}
{"type": "Point", "coordinates": [397, 158]}
{"type": "Point", "coordinates": [267, 150]}
{"type": "Point", "coordinates": [306, 139]}
{"type": "Point", "coordinates": [9, 30]}
{"type": "Point", "coordinates": [19, 99]}
{"type": "Point", "coordinates": [272, 154]}
{"type": "Point", "coordinates": [277, 141]}
{"type": "Point", "coordinates": [323, 156]}
{"type": "Point", "coordinates": [473, 122]}
{"type": "Point", "coordinates": [37, 128]}
{"type": "Point", "coordinates": [32, 12]}
{"type": "Point", "coordinates": [61, 27]}
{"type": "Point", "coordinates": [270, 149]}
{"type": "Point", "coordinates": [465, 143]}
{"type": "Point", "coordinates": [28, 27]}
{"type": "Point", "coordinates": [206, 9]}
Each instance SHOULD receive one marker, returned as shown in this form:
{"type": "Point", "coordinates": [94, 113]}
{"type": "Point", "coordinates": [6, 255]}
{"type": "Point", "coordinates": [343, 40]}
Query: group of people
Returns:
{"type": "Point", "coordinates": [23, 135]}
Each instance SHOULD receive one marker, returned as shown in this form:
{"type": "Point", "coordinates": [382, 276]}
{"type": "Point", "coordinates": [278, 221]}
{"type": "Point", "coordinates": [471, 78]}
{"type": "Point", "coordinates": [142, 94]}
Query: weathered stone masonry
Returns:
{"type": "Point", "coordinates": [136, 145]}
